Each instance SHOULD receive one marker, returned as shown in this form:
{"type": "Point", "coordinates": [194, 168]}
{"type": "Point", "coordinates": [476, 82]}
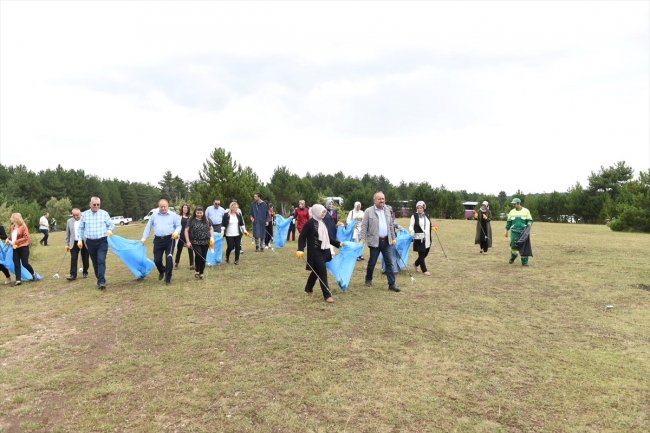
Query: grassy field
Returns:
{"type": "Point", "coordinates": [480, 346]}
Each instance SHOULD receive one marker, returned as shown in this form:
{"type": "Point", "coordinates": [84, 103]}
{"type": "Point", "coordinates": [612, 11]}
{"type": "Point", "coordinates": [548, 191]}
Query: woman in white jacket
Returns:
{"type": "Point", "coordinates": [420, 228]}
{"type": "Point", "coordinates": [356, 214]}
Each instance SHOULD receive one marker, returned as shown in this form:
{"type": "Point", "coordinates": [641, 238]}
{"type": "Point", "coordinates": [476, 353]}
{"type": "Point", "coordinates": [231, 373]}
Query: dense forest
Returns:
{"type": "Point", "coordinates": [613, 196]}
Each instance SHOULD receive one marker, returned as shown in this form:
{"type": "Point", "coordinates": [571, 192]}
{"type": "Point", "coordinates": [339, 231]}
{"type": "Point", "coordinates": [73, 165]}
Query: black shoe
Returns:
{"type": "Point", "coordinates": [511, 261]}
{"type": "Point", "coordinates": [524, 264]}
{"type": "Point", "coordinates": [394, 288]}
{"type": "Point", "coordinates": [227, 260]}
{"type": "Point", "coordinates": [161, 276]}
{"type": "Point", "coordinates": [85, 275]}
{"type": "Point", "coordinates": [168, 283]}
{"type": "Point", "coordinates": [16, 283]}
{"type": "Point", "coordinates": [71, 278]}
{"type": "Point", "coordinates": [236, 262]}
{"type": "Point", "coordinates": [101, 286]}
{"type": "Point", "coordinates": [369, 283]}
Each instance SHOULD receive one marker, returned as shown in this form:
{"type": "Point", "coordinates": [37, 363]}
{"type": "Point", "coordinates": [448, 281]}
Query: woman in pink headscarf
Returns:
{"type": "Point", "coordinates": [314, 236]}
{"type": "Point", "coordinates": [420, 228]}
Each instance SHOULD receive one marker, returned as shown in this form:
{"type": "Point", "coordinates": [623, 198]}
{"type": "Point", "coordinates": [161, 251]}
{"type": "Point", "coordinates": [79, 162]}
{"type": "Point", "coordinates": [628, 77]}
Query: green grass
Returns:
{"type": "Point", "coordinates": [481, 346]}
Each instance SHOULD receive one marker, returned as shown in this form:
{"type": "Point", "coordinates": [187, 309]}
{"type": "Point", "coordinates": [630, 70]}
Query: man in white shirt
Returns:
{"type": "Point", "coordinates": [72, 241]}
{"type": "Point", "coordinates": [44, 227]}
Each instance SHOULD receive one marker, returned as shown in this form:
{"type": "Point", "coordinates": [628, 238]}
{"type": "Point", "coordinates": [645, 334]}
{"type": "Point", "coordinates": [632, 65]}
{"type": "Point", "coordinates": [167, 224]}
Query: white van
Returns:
{"type": "Point", "coordinates": [155, 210]}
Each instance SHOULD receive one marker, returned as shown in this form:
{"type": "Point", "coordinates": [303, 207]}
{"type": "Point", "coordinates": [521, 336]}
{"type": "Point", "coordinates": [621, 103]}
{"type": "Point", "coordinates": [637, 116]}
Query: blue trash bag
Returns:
{"type": "Point", "coordinates": [346, 233]}
{"type": "Point", "coordinates": [133, 254]}
{"type": "Point", "coordinates": [215, 256]}
{"type": "Point", "coordinates": [402, 246]}
{"type": "Point", "coordinates": [342, 265]}
{"type": "Point", "coordinates": [281, 230]}
{"type": "Point", "coordinates": [7, 259]}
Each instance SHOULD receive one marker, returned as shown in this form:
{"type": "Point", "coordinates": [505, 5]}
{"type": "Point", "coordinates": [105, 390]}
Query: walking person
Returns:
{"type": "Point", "coordinates": [199, 233]}
{"type": "Point", "coordinates": [185, 216]}
{"type": "Point", "coordinates": [19, 238]}
{"type": "Point", "coordinates": [331, 219]}
{"type": "Point", "coordinates": [420, 228]}
{"type": "Point", "coordinates": [356, 214]}
{"type": "Point", "coordinates": [94, 228]}
{"type": "Point", "coordinates": [259, 216]}
{"type": "Point", "coordinates": [518, 218]}
{"type": "Point", "coordinates": [483, 228]}
{"type": "Point", "coordinates": [377, 232]}
{"type": "Point", "coordinates": [233, 227]}
{"type": "Point", "coordinates": [292, 225]}
{"type": "Point", "coordinates": [269, 228]}
{"type": "Point", "coordinates": [44, 228]}
{"type": "Point", "coordinates": [72, 241]}
{"type": "Point", "coordinates": [215, 214]}
{"type": "Point", "coordinates": [166, 227]}
{"type": "Point", "coordinates": [315, 237]}
{"type": "Point", "coordinates": [3, 269]}
{"type": "Point", "coordinates": [301, 215]}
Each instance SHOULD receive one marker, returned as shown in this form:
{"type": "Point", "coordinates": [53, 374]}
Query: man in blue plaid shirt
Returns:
{"type": "Point", "coordinates": [94, 227]}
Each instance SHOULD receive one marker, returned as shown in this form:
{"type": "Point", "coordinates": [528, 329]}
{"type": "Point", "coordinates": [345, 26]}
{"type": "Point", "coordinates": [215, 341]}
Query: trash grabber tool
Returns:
{"type": "Point", "coordinates": [405, 266]}
{"type": "Point", "coordinates": [60, 264]}
{"type": "Point", "coordinates": [435, 229]}
{"type": "Point", "coordinates": [272, 241]}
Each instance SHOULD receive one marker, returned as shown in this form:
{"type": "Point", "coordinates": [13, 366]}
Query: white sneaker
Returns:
{"type": "Point", "coordinates": [266, 247]}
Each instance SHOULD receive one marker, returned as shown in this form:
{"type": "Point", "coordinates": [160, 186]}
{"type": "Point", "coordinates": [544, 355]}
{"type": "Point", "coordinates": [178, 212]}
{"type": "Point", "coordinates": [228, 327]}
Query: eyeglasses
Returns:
{"type": "Point", "coordinates": [95, 205]}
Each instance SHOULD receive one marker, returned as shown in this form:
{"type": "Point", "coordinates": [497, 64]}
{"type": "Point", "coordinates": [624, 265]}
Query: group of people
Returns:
{"type": "Point", "coordinates": [87, 233]}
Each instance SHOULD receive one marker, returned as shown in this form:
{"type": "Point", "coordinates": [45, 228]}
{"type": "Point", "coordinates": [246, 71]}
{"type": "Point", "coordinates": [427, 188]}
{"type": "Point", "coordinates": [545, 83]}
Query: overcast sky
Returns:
{"type": "Point", "coordinates": [482, 96]}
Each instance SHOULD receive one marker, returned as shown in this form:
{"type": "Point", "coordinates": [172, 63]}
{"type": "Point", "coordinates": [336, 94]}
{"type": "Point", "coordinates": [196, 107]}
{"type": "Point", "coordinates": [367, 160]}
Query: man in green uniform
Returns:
{"type": "Point", "coordinates": [518, 219]}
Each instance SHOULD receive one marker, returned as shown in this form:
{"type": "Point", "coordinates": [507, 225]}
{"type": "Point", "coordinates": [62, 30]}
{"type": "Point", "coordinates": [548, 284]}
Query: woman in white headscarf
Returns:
{"type": "Point", "coordinates": [314, 235]}
{"type": "Point", "coordinates": [356, 214]}
{"type": "Point", "coordinates": [420, 228]}
{"type": "Point", "coordinates": [483, 227]}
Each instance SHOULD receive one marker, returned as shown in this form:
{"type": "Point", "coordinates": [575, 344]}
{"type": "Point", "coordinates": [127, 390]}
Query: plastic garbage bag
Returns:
{"type": "Point", "coordinates": [281, 230]}
{"type": "Point", "coordinates": [7, 259]}
{"type": "Point", "coordinates": [215, 256]}
{"type": "Point", "coordinates": [342, 266]}
{"type": "Point", "coordinates": [133, 254]}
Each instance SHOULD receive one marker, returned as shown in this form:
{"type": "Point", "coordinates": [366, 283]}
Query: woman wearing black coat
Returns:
{"type": "Point", "coordinates": [185, 216]}
{"type": "Point", "coordinates": [315, 237]}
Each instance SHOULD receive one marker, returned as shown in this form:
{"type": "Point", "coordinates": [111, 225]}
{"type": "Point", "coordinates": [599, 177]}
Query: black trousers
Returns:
{"type": "Point", "coordinates": [233, 242]}
{"type": "Point", "coordinates": [4, 271]}
{"type": "Point", "coordinates": [292, 232]}
{"type": "Point", "coordinates": [420, 260]}
{"type": "Point", "coordinates": [74, 258]}
{"type": "Point", "coordinates": [319, 270]}
{"type": "Point", "coordinates": [269, 234]}
{"type": "Point", "coordinates": [484, 243]}
{"type": "Point", "coordinates": [179, 248]}
{"type": "Point", "coordinates": [163, 245]}
{"type": "Point", "coordinates": [21, 255]}
{"type": "Point", "coordinates": [46, 235]}
{"type": "Point", "coordinates": [201, 253]}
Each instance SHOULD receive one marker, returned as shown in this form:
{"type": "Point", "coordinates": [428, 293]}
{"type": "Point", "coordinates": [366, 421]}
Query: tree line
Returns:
{"type": "Point", "coordinates": [611, 197]}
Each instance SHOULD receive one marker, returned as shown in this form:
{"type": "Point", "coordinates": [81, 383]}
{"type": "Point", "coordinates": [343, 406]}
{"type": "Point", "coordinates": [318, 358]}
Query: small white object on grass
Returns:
{"type": "Point", "coordinates": [608, 307]}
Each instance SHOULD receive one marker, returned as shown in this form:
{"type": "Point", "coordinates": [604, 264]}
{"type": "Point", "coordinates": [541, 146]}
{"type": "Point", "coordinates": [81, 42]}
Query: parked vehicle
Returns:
{"type": "Point", "coordinates": [469, 209]}
{"type": "Point", "coordinates": [120, 220]}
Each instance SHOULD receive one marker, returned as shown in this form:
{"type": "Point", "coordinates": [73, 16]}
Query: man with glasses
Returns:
{"type": "Point", "coordinates": [215, 214]}
{"type": "Point", "coordinates": [72, 241]}
{"type": "Point", "coordinates": [95, 226]}
{"type": "Point", "coordinates": [166, 228]}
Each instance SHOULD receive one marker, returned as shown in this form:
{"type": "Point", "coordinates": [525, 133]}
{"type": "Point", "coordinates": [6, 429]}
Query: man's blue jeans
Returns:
{"type": "Point", "coordinates": [97, 252]}
{"type": "Point", "coordinates": [387, 255]}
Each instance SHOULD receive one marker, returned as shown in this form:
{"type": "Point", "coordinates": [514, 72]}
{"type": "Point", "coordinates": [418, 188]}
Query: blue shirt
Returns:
{"type": "Point", "coordinates": [94, 225]}
{"type": "Point", "coordinates": [215, 214]}
{"type": "Point", "coordinates": [163, 225]}
{"type": "Point", "coordinates": [383, 226]}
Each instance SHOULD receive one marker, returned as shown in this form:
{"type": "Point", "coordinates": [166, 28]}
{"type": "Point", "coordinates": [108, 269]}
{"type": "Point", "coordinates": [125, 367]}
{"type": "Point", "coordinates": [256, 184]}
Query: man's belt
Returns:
{"type": "Point", "coordinates": [385, 238]}
{"type": "Point", "coordinates": [163, 237]}
{"type": "Point", "coordinates": [96, 240]}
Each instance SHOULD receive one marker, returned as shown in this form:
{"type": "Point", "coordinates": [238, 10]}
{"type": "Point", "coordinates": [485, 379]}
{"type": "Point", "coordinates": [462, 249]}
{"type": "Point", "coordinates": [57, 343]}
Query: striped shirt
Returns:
{"type": "Point", "coordinates": [94, 225]}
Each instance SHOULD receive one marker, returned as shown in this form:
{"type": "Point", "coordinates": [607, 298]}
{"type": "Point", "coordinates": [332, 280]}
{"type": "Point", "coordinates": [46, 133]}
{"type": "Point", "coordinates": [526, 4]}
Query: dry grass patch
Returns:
{"type": "Point", "coordinates": [479, 346]}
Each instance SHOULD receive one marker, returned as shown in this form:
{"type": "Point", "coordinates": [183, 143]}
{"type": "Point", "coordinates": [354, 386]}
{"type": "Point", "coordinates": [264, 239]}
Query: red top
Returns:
{"type": "Point", "coordinates": [301, 216]}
